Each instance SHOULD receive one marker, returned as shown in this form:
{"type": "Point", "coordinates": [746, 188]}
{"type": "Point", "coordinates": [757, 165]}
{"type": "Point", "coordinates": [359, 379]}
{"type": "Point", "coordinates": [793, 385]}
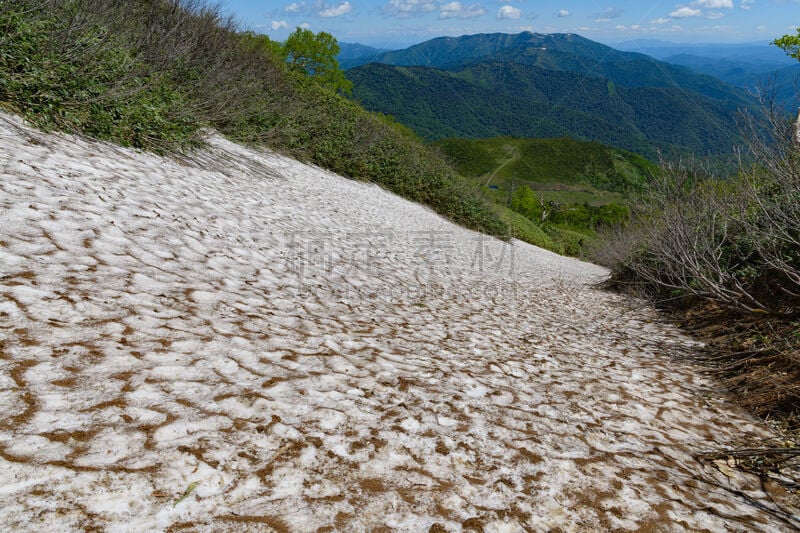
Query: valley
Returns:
{"type": "Point", "coordinates": [567, 188]}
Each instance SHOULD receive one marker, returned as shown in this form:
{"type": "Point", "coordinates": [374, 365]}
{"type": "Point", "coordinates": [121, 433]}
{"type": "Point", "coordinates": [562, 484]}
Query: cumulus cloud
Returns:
{"type": "Point", "coordinates": [562, 13]}
{"type": "Point", "coordinates": [661, 20]}
{"type": "Point", "coordinates": [335, 11]}
{"type": "Point", "coordinates": [409, 8]}
{"type": "Point", "coordinates": [714, 4]}
{"type": "Point", "coordinates": [685, 12]}
{"type": "Point", "coordinates": [458, 10]}
{"type": "Point", "coordinates": [279, 25]}
{"type": "Point", "coordinates": [607, 15]}
{"type": "Point", "coordinates": [747, 4]}
{"type": "Point", "coordinates": [509, 12]}
{"type": "Point", "coordinates": [294, 7]}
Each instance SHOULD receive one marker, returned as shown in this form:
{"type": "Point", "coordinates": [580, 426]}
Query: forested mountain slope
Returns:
{"type": "Point", "coordinates": [508, 98]}
{"type": "Point", "coordinates": [534, 85]}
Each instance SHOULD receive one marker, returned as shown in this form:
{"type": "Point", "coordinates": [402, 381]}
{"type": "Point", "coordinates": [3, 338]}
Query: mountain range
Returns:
{"type": "Point", "coordinates": [354, 54]}
{"type": "Point", "coordinates": [758, 68]}
{"type": "Point", "coordinates": [550, 85]}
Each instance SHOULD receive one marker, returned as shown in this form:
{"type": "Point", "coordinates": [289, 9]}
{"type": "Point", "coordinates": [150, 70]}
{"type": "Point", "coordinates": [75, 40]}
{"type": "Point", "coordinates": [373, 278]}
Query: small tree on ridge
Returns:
{"type": "Point", "coordinates": [315, 55]}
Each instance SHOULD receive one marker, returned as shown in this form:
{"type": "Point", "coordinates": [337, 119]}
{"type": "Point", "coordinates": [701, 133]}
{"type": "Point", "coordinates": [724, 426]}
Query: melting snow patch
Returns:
{"type": "Point", "coordinates": [290, 349]}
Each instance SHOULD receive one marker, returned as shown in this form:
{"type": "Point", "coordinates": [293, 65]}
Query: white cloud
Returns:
{"type": "Point", "coordinates": [662, 20]}
{"type": "Point", "coordinates": [294, 7]}
{"type": "Point", "coordinates": [714, 4]}
{"type": "Point", "coordinates": [279, 24]}
{"type": "Point", "coordinates": [684, 12]}
{"type": "Point", "coordinates": [508, 12]}
{"type": "Point", "coordinates": [747, 4]}
{"type": "Point", "coordinates": [458, 10]}
{"type": "Point", "coordinates": [409, 8]}
{"type": "Point", "coordinates": [715, 15]}
{"type": "Point", "coordinates": [337, 11]}
{"type": "Point", "coordinates": [562, 13]}
{"type": "Point", "coordinates": [451, 10]}
{"type": "Point", "coordinates": [607, 15]}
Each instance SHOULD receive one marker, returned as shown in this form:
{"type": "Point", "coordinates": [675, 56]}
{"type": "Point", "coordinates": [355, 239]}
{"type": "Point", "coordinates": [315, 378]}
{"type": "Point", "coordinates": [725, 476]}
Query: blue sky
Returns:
{"type": "Point", "coordinates": [400, 23]}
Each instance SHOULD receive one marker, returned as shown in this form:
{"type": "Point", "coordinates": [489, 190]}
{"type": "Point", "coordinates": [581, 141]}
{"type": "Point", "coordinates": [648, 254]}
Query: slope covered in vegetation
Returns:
{"type": "Point", "coordinates": [565, 188]}
{"type": "Point", "coordinates": [567, 53]}
{"type": "Point", "coordinates": [154, 74]}
{"type": "Point", "coordinates": [505, 98]}
{"type": "Point", "coordinates": [561, 160]}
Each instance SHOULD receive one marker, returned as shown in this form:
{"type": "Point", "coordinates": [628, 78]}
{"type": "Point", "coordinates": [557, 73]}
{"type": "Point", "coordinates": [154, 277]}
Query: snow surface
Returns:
{"type": "Point", "coordinates": [294, 351]}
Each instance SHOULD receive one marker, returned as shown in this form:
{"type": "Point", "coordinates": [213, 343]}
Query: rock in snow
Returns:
{"type": "Point", "coordinates": [237, 341]}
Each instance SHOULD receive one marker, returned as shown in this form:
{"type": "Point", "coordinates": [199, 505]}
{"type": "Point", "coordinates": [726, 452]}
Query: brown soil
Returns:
{"type": "Point", "coordinates": [757, 358]}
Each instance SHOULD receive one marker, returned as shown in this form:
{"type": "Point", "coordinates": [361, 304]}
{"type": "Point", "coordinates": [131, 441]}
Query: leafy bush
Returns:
{"type": "Point", "coordinates": [585, 217]}
{"type": "Point", "coordinates": [572, 242]}
{"type": "Point", "coordinates": [733, 242]}
{"type": "Point", "coordinates": [524, 229]}
{"type": "Point", "coordinates": [80, 77]}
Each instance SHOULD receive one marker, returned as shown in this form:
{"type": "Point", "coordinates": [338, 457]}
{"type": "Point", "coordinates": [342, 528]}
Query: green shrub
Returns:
{"type": "Point", "coordinates": [570, 241]}
{"type": "Point", "coordinates": [525, 230]}
{"type": "Point", "coordinates": [84, 82]}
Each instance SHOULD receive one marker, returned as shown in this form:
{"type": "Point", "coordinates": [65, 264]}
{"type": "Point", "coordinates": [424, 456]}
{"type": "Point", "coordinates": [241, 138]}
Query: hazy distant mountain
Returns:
{"type": "Point", "coordinates": [771, 57]}
{"type": "Point", "coordinates": [534, 85]}
{"type": "Point", "coordinates": [758, 78]}
{"type": "Point", "coordinates": [352, 54]}
{"type": "Point", "coordinates": [752, 66]}
{"type": "Point", "coordinates": [734, 71]}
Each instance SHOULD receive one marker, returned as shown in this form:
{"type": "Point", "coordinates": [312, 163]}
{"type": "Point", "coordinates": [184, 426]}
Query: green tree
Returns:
{"type": "Point", "coordinates": [315, 55]}
{"type": "Point", "coordinates": [263, 44]}
{"type": "Point", "coordinates": [525, 203]}
{"type": "Point", "coordinates": [789, 44]}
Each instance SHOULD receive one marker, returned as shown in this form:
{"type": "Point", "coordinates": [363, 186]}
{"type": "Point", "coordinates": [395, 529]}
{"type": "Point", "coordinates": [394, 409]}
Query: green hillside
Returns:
{"type": "Point", "coordinates": [548, 161]}
{"type": "Point", "coordinates": [448, 51]}
{"type": "Point", "coordinates": [512, 99]}
{"type": "Point", "coordinates": [561, 190]}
